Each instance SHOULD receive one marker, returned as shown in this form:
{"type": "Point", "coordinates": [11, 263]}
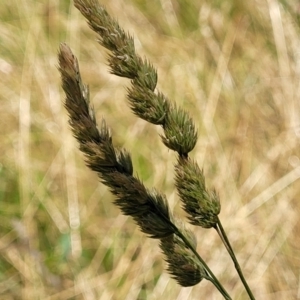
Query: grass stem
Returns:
{"type": "Point", "coordinates": [219, 228]}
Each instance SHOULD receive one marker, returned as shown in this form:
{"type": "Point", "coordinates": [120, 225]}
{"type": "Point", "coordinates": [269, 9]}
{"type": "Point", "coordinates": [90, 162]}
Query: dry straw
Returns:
{"type": "Point", "coordinates": [149, 208]}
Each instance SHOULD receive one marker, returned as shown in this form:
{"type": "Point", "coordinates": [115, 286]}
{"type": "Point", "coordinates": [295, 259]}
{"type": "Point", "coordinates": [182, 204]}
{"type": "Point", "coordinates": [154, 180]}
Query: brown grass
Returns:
{"type": "Point", "coordinates": [234, 67]}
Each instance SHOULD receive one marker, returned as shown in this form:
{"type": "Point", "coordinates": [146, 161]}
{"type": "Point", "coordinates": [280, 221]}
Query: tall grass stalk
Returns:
{"type": "Point", "coordinates": [148, 208]}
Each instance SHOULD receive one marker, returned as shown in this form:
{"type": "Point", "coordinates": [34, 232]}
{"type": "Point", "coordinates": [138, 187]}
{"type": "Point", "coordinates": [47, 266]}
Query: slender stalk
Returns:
{"type": "Point", "coordinates": [212, 278]}
{"type": "Point", "coordinates": [179, 135]}
{"type": "Point", "coordinates": [114, 167]}
{"type": "Point", "coordinates": [219, 228]}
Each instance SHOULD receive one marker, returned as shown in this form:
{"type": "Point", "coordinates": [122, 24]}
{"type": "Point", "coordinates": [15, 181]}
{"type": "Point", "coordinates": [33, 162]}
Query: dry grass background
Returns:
{"type": "Point", "coordinates": [235, 67]}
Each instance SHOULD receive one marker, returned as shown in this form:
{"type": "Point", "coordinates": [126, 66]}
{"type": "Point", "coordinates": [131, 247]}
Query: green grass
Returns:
{"type": "Point", "coordinates": [234, 67]}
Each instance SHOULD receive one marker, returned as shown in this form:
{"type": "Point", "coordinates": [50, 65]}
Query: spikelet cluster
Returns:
{"type": "Point", "coordinates": [148, 207]}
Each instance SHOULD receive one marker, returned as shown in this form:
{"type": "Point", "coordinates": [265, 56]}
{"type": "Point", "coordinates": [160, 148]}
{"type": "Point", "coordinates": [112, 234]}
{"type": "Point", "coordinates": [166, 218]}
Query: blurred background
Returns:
{"type": "Point", "coordinates": [233, 65]}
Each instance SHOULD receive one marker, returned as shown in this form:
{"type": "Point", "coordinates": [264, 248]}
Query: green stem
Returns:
{"type": "Point", "coordinates": [211, 276]}
{"type": "Point", "coordinates": [219, 228]}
